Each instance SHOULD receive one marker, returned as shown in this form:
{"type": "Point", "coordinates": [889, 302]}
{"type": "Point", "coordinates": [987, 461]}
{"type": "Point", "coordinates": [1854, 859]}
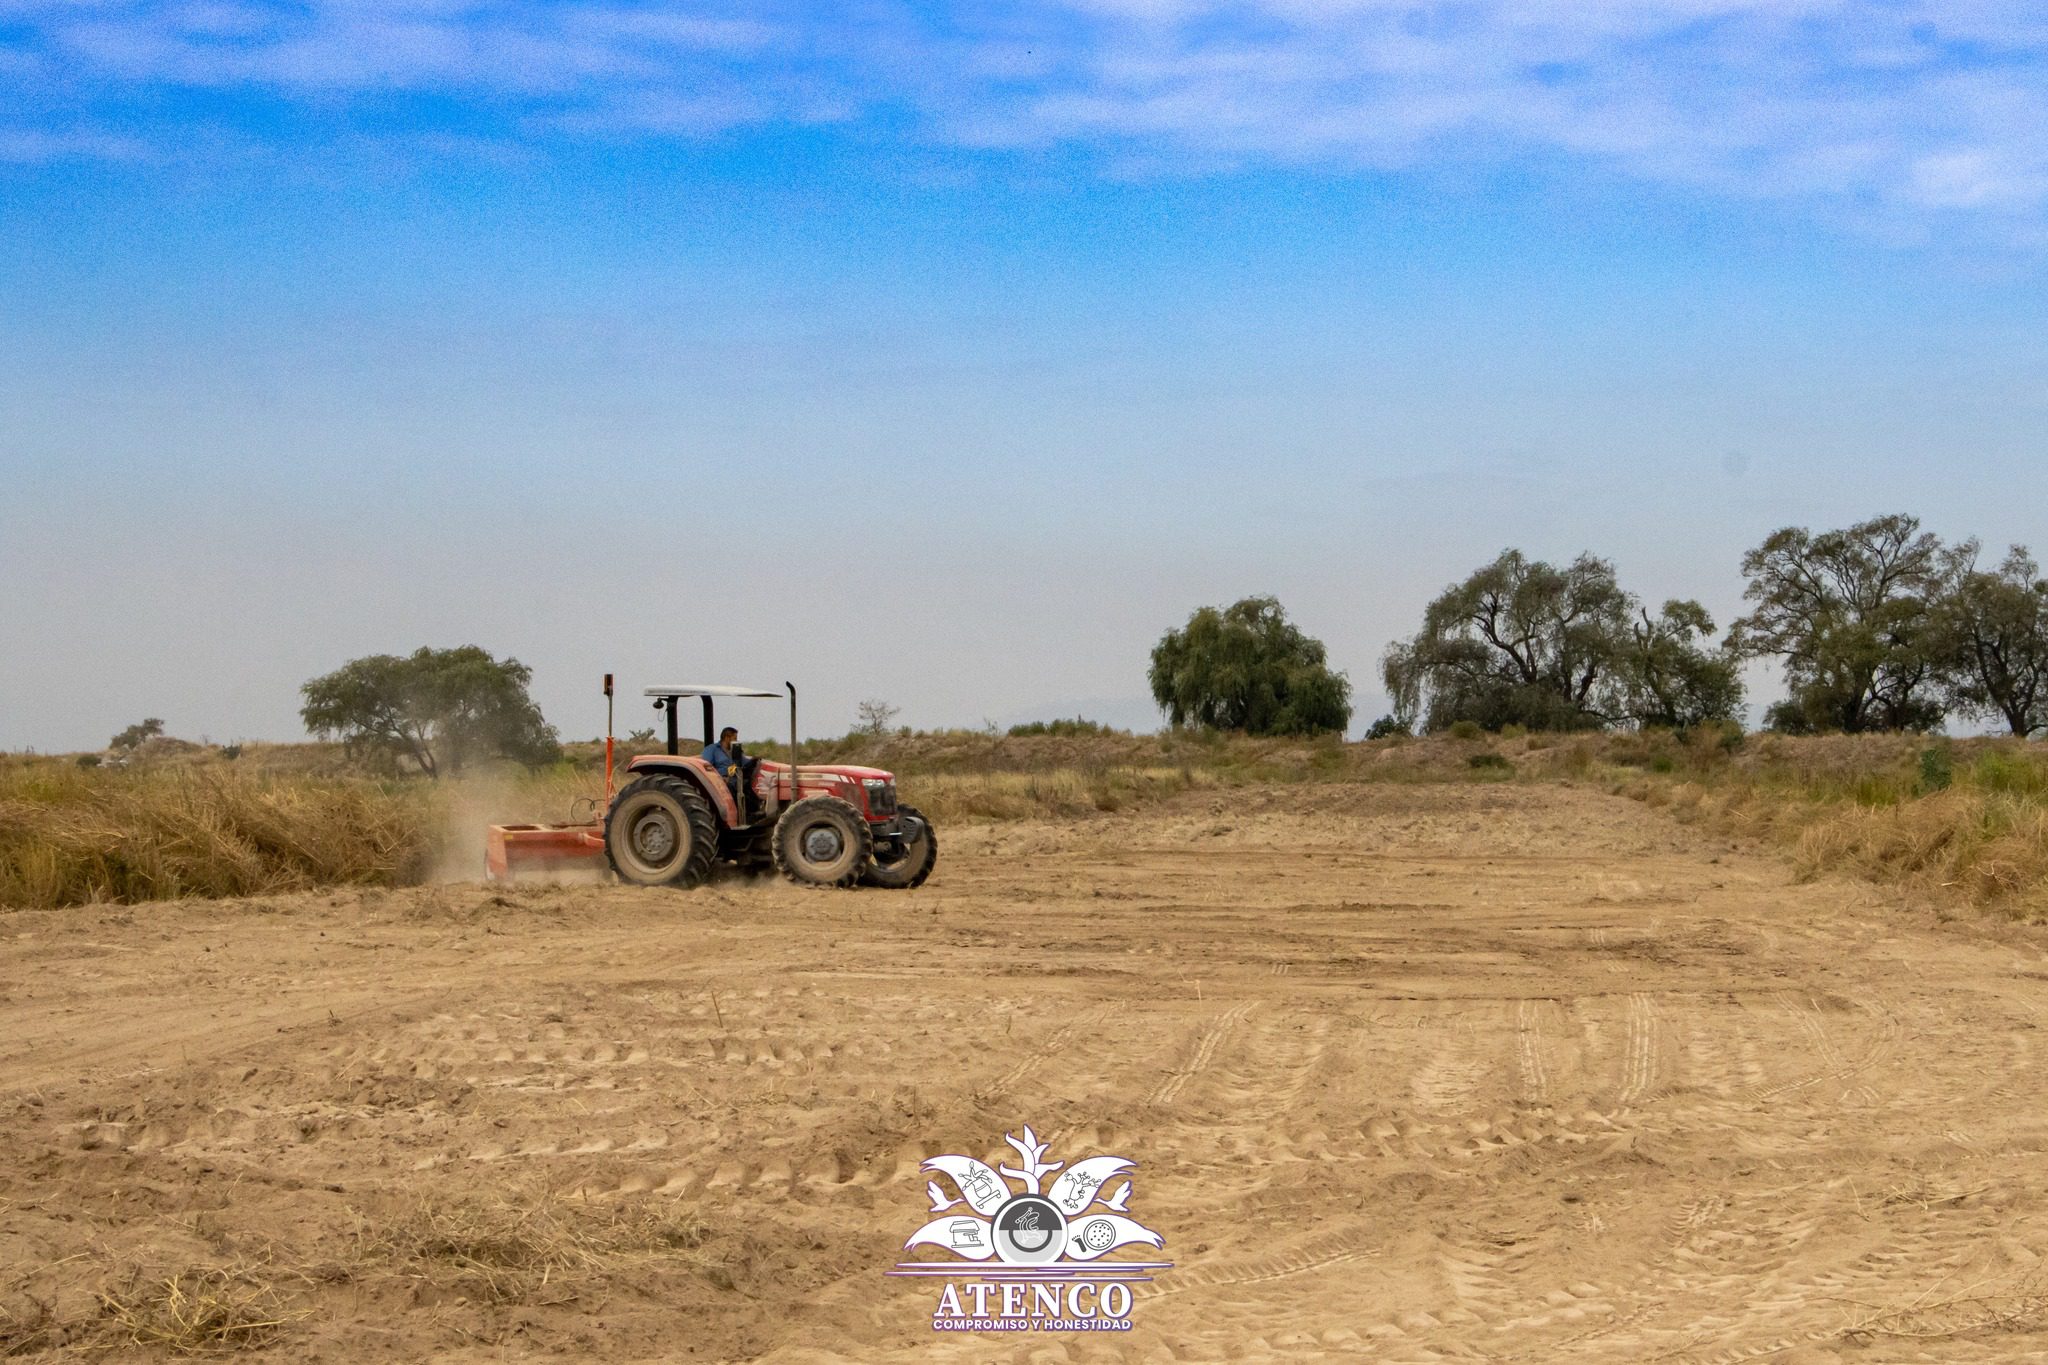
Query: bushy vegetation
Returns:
{"type": "Point", "coordinates": [1851, 613]}
{"type": "Point", "coordinates": [1247, 667]}
{"type": "Point", "coordinates": [431, 711]}
{"type": "Point", "coordinates": [1883, 627]}
{"type": "Point", "coordinates": [1879, 626]}
{"type": "Point", "coordinates": [137, 734]}
{"type": "Point", "coordinates": [1525, 643]}
{"type": "Point", "coordinates": [1063, 729]}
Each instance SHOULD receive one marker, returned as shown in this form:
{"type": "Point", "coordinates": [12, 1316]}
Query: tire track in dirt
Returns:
{"type": "Point", "coordinates": [1535, 1077]}
{"type": "Point", "coordinates": [1454, 1071]}
{"type": "Point", "coordinates": [1315, 1254]}
{"type": "Point", "coordinates": [1060, 1037]}
{"type": "Point", "coordinates": [1168, 1090]}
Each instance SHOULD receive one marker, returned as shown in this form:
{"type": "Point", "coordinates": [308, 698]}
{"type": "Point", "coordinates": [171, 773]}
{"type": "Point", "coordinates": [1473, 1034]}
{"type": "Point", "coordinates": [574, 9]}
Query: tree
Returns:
{"type": "Point", "coordinates": [1246, 667]}
{"type": "Point", "coordinates": [1667, 676]}
{"type": "Point", "coordinates": [1522, 642]}
{"type": "Point", "coordinates": [135, 736]}
{"type": "Point", "coordinates": [438, 708]}
{"type": "Point", "coordinates": [1851, 614]}
{"type": "Point", "coordinates": [1991, 639]}
{"type": "Point", "coordinates": [875, 715]}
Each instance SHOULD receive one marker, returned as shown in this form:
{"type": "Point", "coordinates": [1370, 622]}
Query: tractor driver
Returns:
{"type": "Point", "coordinates": [731, 760]}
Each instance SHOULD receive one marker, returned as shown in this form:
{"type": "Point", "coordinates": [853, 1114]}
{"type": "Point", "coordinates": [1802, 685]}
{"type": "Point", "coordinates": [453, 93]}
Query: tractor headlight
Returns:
{"type": "Point", "coordinates": [881, 793]}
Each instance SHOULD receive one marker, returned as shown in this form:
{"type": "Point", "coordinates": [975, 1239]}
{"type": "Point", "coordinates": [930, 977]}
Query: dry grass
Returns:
{"type": "Point", "coordinates": [480, 1250]}
{"type": "Point", "coordinates": [1968, 818]}
{"type": "Point", "coordinates": [198, 1312]}
{"type": "Point", "coordinates": [69, 836]}
{"type": "Point", "coordinates": [956, 798]}
{"type": "Point", "coordinates": [1947, 1317]}
{"type": "Point", "coordinates": [490, 1251]}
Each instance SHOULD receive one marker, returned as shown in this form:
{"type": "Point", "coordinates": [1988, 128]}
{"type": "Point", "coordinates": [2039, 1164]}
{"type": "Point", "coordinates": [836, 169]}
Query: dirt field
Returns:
{"type": "Point", "coordinates": [1493, 1072]}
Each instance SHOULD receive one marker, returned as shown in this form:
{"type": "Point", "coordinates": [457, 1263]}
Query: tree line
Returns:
{"type": "Point", "coordinates": [1877, 626]}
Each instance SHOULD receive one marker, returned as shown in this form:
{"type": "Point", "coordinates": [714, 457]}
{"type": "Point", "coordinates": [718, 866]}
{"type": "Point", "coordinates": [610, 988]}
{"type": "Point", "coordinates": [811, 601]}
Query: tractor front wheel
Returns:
{"type": "Point", "coordinates": [902, 871]}
{"type": "Point", "coordinates": [660, 832]}
{"type": "Point", "coordinates": [823, 841]}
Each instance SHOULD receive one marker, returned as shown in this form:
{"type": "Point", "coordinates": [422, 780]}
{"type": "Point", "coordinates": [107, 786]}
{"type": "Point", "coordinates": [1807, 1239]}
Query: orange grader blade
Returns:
{"type": "Point", "coordinates": [510, 850]}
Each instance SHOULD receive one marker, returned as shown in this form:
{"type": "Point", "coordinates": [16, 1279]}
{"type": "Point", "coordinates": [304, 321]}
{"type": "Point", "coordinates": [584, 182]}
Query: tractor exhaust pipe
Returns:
{"type": "Point", "coordinates": [792, 740]}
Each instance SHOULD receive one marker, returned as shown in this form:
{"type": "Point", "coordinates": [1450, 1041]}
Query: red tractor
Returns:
{"type": "Point", "coordinates": [822, 824]}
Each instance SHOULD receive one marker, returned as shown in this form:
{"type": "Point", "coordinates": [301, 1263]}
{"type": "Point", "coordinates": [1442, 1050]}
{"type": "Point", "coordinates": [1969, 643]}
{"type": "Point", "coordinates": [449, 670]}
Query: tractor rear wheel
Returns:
{"type": "Point", "coordinates": [660, 832]}
{"type": "Point", "coordinates": [823, 841]}
{"type": "Point", "coordinates": [902, 871]}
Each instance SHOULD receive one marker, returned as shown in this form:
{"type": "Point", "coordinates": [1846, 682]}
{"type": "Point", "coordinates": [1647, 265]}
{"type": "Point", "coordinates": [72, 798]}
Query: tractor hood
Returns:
{"type": "Point", "coordinates": [854, 771]}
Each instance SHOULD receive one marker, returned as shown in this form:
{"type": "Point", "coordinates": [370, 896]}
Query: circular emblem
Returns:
{"type": "Point", "coordinates": [1099, 1234]}
{"type": "Point", "coordinates": [1029, 1231]}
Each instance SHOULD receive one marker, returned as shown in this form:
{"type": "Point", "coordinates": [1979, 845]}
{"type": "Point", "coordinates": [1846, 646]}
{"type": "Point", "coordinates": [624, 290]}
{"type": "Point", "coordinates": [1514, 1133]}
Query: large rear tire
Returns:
{"type": "Point", "coordinates": [909, 868]}
{"type": "Point", "coordinates": [823, 841]}
{"type": "Point", "coordinates": [660, 832]}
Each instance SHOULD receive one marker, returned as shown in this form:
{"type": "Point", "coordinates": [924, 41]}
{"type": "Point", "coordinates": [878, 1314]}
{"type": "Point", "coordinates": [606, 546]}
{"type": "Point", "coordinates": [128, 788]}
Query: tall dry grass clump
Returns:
{"type": "Point", "coordinates": [70, 836]}
{"type": "Point", "coordinates": [1968, 817]}
{"type": "Point", "coordinates": [1983, 831]}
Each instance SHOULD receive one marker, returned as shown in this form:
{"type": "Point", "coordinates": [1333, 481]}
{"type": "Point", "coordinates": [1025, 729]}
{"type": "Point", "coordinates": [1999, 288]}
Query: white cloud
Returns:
{"type": "Point", "coordinates": [37, 146]}
{"type": "Point", "coordinates": [1913, 111]}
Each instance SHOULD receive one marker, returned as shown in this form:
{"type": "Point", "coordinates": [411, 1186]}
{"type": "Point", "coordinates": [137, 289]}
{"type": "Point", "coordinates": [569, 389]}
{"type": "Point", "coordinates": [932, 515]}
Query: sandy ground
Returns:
{"type": "Point", "coordinates": [1413, 1073]}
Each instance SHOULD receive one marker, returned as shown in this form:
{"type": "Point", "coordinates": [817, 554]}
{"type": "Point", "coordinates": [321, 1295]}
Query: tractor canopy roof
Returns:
{"type": "Point", "coordinates": [708, 690]}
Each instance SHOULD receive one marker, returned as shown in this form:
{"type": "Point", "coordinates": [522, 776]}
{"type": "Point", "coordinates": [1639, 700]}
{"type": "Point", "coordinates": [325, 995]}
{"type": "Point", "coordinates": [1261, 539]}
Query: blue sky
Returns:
{"type": "Point", "coordinates": [950, 354]}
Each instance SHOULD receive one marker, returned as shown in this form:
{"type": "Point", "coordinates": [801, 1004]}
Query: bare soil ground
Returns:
{"type": "Point", "coordinates": [1413, 1072]}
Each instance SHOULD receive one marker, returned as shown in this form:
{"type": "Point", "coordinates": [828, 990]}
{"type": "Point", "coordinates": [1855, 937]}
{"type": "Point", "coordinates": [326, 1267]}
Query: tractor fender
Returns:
{"type": "Point", "coordinates": [702, 774]}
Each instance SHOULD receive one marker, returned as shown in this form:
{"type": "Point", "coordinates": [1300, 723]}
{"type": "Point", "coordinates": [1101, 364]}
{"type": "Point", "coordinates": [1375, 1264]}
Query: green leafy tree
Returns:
{"type": "Point", "coordinates": [1668, 676]}
{"type": "Point", "coordinates": [1991, 639]}
{"type": "Point", "coordinates": [135, 736]}
{"type": "Point", "coordinates": [435, 708]}
{"type": "Point", "coordinates": [1246, 667]}
{"type": "Point", "coordinates": [1523, 642]}
{"type": "Point", "coordinates": [1852, 614]}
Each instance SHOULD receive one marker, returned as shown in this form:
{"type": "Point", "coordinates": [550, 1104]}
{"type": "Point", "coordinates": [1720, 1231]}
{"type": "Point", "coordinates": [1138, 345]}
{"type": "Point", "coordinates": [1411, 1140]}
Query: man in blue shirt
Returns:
{"type": "Point", "coordinates": [719, 755]}
{"type": "Point", "coordinates": [732, 764]}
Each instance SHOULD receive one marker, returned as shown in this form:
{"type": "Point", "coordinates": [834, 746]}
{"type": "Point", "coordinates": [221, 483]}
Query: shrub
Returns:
{"type": "Point", "coordinates": [1465, 729]}
{"type": "Point", "coordinates": [1076, 728]}
{"type": "Point", "coordinates": [1489, 759]}
{"type": "Point", "coordinates": [136, 735]}
{"type": "Point", "coordinates": [1387, 727]}
{"type": "Point", "coordinates": [1937, 769]}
